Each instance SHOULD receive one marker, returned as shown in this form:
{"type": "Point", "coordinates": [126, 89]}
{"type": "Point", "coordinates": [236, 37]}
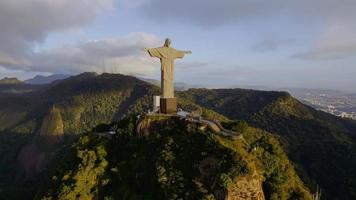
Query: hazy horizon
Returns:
{"type": "Point", "coordinates": [179, 83]}
{"type": "Point", "coordinates": [277, 44]}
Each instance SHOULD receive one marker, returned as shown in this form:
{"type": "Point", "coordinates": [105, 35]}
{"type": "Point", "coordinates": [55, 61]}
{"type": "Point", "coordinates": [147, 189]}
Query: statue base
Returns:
{"type": "Point", "coordinates": [168, 105]}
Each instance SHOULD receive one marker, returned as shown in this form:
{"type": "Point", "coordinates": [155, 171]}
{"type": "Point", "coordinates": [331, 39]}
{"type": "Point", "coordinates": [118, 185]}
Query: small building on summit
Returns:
{"type": "Point", "coordinates": [156, 104]}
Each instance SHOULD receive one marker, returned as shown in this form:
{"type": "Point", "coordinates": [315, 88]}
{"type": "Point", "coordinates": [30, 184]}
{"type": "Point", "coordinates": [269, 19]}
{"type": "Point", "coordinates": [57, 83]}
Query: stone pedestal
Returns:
{"type": "Point", "coordinates": [168, 105]}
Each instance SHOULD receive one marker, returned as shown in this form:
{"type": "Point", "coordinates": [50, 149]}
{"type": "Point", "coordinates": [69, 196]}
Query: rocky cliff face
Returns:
{"type": "Point", "coordinates": [34, 157]}
{"type": "Point", "coordinates": [246, 188]}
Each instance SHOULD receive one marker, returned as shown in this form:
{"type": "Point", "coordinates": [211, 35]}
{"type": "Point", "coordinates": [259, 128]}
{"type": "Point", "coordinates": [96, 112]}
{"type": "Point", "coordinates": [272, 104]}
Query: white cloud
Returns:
{"type": "Point", "coordinates": [231, 11]}
{"type": "Point", "coordinates": [271, 44]}
{"type": "Point", "coordinates": [187, 11]}
{"type": "Point", "coordinates": [118, 55]}
{"type": "Point", "coordinates": [333, 40]}
{"type": "Point", "coordinates": [20, 74]}
{"type": "Point", "coordinates": [25, 23]}
{"type": "Point", "coordinates": [337, 41]}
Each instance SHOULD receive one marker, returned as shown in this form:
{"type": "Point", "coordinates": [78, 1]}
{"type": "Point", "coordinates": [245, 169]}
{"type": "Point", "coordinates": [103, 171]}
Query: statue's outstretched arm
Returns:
{"type": "Point", "coordinates": [188, 52]}
{"type": "Point", "coordinates": [154, 52]}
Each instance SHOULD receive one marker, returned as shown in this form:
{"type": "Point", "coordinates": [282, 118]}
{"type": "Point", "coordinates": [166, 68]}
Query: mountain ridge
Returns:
{"type": "Point", "coordinates": [10, 80]}
{"type": "Point", "coordinates": [40, 79]}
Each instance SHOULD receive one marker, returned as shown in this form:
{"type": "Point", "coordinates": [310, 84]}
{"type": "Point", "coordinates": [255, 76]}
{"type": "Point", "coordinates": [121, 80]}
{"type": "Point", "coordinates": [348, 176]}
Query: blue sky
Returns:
{"type": "Point", "coordinates": [277, 44]}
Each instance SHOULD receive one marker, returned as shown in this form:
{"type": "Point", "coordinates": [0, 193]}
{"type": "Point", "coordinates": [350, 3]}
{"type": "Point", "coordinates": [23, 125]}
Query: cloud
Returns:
{"type": "Point", "coordinates": [27, 23]}
{"type": "Point", "coordinates": [315, 18]}
{"type": "Point", "coordinates": [213, 13]}
{"type": "Point", "coordinates": [201, 12]}
{"type": "Point", "coordinates": [337, 41]}
{"type": "Point", "coordinates": [213, 74]}
{"type": "Point", "coordinates": [179, 65]}
{"type": "Point", "coordinates": [20, 74]}
{"type": "Point", "coordinates": [117, 55]}
{"type": "Point", "coordinates": [271, 44]}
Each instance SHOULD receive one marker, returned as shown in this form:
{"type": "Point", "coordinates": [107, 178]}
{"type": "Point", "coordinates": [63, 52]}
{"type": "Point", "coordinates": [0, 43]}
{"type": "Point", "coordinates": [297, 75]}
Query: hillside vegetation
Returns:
{"type": "Point", "coordinates": [45, 132]}
{"type": "Point", "coordinates": [175, 161]}
{"type": "Point", "coordinates": [321, 146]}
{"type": "Point", "coordinates": [31, 122]}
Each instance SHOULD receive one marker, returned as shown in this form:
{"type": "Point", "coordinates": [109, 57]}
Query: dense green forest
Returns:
{"type": "Point", "coordinates": [321, 146]}
{"type": "Point", "coordinates": [176, 161]}
{"type": "Point", "coordinates": [29, 121]}
{"type": "Point", "coordinates": [48, 150]}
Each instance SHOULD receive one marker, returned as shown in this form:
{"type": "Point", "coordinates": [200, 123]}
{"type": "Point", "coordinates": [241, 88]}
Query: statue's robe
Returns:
{"type": "Point", "coordinates": [167, 56]}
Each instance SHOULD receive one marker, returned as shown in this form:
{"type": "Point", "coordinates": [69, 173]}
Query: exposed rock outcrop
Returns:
{"type": "Point", "coordinates": [246, 188]}
{"type": "Point", "coordinates": [34, 156]}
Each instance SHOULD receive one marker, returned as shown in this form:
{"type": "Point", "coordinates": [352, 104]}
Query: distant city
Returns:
{"type": "Point", "coordinates": [335, 102]}
{"type": "Point", "coordinates": [338, 103]}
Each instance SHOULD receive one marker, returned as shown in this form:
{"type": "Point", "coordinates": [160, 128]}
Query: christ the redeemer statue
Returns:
{"type": "Point", "coordinates": [167, 55]}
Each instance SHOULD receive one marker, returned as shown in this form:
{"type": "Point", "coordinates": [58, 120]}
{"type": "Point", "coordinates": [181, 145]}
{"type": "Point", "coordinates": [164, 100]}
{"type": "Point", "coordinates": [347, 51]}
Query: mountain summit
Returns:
{"type": "Point", "coordinates": [8, 81]}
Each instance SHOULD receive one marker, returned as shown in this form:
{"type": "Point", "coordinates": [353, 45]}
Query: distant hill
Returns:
{"type": "Point", "coordinates": [77, 97]}
{"type": "Point", "coordinates": [39, 79]}
{"type": "Point", "coordinates": [178, 86]}
{"type": "Point", "coordinates": [8, 81]}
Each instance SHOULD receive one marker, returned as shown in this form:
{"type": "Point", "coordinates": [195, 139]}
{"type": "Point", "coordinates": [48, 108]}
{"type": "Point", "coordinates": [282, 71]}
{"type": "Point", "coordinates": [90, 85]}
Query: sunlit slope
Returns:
{"type": "Point", "coordinates": [175, 160]}
{"type": "Point", "coordinates": [322, 146]}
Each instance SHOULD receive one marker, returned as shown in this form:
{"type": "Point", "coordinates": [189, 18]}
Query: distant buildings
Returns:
{"type": "Point", "coordinates": [341, 105]}
{"type": "Point", "coordinates": [348, 115]}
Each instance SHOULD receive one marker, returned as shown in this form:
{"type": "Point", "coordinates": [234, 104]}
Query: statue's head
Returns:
{"type": "Point", "coordinates": [168, 42]}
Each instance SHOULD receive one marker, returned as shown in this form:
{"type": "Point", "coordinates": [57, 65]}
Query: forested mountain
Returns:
{"type": "Point", "coordinates": [47, 144]}
{"type": "Point", "coordinates": [174, 160]}
{"type": "Point", "coordinates": [61, 110]}
{"type": "Point", "coordinates": [321, 145]}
